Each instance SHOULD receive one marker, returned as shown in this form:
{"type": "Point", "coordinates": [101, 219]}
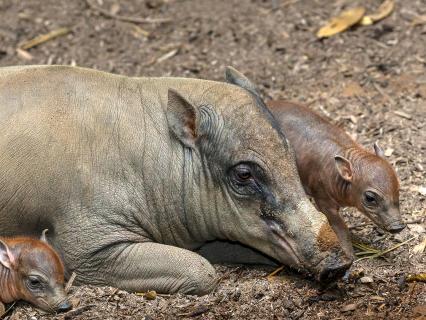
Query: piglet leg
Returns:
{"type": "Point", "coordinates": [339, 226]}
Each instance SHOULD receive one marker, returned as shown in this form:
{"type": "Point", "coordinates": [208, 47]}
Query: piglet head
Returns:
{"type": "Point", "coordinates": [36, 273]}
{"type": "Point", "coordinates": [374, 188]}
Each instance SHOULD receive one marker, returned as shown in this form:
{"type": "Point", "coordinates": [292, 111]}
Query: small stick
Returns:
{"type": "Point", "coordinates": [273, 273]}
{"type": "Point", "coordinates": [7, 311]}
{"type": "Point", "coordinates": [70, 282]}
{"type": "Point", "coordinates": [381, 253]}
{"type": "Point", "coordinates": [78, 311]}
{"type": "Point", "coordinates": [44, 38]}
{"type": "Point", "coordinates": [108, 14]}
{"type": "Point", "coordinates": [368, 223]}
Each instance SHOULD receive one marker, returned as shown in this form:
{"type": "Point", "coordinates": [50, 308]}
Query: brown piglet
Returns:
{"type": "Point", "coordinates": [338, 172]}
{"type": "Point", "coordinates": [32, 271]}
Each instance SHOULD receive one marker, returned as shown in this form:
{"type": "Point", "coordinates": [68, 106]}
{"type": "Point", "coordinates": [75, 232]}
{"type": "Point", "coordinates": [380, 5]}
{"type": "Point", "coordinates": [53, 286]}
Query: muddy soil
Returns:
{"type": "Point", "coordinates": [370, 80]}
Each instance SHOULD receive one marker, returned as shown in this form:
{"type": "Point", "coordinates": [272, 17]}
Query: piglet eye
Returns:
{"type": "Point", "coordinates": [34, 283]}
{"type": "Point", "coordinates": [370, 198]}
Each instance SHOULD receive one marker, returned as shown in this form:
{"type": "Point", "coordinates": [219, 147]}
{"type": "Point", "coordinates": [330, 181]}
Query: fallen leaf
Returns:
{"type": "Point", "coordinates": [420, 277]}
{"type": "Point", "coordinates": [342, 22]}
{"type": "Point", "coordinates": [349, 307]}
{"type": "Point", "coordinates": [150, 295]}
{"type": "Point", "coordinates": [419, 248]}
{"type": "Point", "coordinates": [382, 12]}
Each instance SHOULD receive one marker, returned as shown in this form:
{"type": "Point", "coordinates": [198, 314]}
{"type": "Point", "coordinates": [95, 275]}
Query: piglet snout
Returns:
{"type": "Point", "coordinates": [396, 227]}
{"type": "Point", "coordinates": [64, 306]}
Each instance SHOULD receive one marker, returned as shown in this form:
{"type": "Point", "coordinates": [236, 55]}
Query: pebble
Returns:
{"type": "Point", "coordinates": [366, 280]}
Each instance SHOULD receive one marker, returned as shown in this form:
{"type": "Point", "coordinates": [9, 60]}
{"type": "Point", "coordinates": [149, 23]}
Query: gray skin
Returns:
{"type": "Point", "coordinates": [131, 174]}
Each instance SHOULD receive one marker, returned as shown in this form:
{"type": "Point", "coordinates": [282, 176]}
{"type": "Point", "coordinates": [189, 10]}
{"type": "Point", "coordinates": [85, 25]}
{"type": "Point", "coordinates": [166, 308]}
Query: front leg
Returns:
{"type": "Point", "coordinates": [339, 226]}
{"type": "Point", "coordinates": [139, 267]}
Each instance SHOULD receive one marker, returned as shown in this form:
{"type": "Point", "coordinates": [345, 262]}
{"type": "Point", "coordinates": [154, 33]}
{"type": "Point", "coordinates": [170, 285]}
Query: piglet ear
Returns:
{"type": "Point", "coordinates": [378, 150]}
{"type": "Point", "coordinates": [182, 118]}
{"type": "Point", "coordinates": [6, 257]}
{"type": "Point", "coordinates": [43, 235]}
{"type": "Point", "coordinates": [344, 168]}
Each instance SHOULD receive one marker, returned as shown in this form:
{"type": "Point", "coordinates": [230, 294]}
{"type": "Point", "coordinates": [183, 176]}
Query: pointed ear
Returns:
{"type": "Point", "coordinates": [6, 256]}
{"type": "Point", "coordinates": [344, 168]}
{"type": "Point", "coordinates": [43, 235]}
{"type": "Point", "coordinates": [182, 118]}
{"type": "Point", "coordinates": [233, 76]}
{"type": "Point", "coordinates": [379, 151]}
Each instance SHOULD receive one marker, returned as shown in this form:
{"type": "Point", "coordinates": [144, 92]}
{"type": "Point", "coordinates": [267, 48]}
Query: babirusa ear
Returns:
{"type": "Point", "coordinates": [379, 151]}
{"type": "Point", "coordinates": [182, 118]}
{"type": "Point", "coordinates": [233, 76]}
{"type": "Point", "coordinates": [43, 235]}
{"type": "Point", "coordinates": [6, 256]}
{"type": "Point", "coordinates": [344, 168]}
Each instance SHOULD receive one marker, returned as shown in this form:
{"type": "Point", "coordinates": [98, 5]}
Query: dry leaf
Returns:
{"type": "Point", "coordinates": [382, 12]}
{"type": "Point", "coordinates": [342, 22]}
{"type": "Point", "coordinates": [419, 248]}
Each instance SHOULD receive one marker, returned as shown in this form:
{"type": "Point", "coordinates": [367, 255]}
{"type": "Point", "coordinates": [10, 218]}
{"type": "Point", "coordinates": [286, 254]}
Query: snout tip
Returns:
{"type": "Point", "coordinates": [334, 271]}
{"type": "Point", "coordinates": [396, 227]}
{"type": "Point", "coordinates": [64, 306]}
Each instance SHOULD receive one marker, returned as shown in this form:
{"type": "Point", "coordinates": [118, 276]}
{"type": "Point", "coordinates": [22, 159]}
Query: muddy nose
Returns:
{"type": "Point", "coordinates": [335, 271]}
{"type": "Point", "coordinates": [64, 306]}
{"type": "Point", "coordinates": [396, 227]}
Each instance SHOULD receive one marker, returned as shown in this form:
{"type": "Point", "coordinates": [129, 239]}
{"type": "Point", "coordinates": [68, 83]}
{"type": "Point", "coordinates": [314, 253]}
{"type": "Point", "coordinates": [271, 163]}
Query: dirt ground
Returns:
{"type": "Point", "coordinates": [371, 80]}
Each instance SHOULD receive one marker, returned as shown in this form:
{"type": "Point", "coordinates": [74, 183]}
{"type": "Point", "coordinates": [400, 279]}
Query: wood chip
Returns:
{"type": "Point", "coordinates": [402, 114]}
{"type": "Point", "coordinates": [168, 55]}
{"type": "Point", "coordinates": [388, 152]}
{"type": "Point", "coordinates": [25, 55]}
{"type": "Point", "coordinates": [349, 307]}
{"type": "Point", "coordinates": [366, 280]}
{"type": "Point", "coordinates": [44, 38]}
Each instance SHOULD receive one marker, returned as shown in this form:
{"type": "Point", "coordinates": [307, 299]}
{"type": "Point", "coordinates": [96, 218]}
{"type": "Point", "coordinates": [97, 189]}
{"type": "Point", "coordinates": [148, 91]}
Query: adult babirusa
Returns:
{"type": "Point", "coordinates": [136, 173]}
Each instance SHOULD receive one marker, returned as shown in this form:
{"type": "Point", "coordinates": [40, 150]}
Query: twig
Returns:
{"type": "Point", "coordinates": [273, 273]}
{"type": "Point", "coordinates": [381, 253]}
{"type": "Point", "coordinates": [78, 311]}
{"type": "Point", "coordinates": [368, 223]}
{"type": "Point", "coordinates": [108, 14]}
{"type": "Point", "coordinates": [44, 38]}
{"type": "Point", "coordinates": [70, 282]}
{"type": "Point", "coordinates": [7, 311]}
{"type": "Point", "coordinates": [376, 86]}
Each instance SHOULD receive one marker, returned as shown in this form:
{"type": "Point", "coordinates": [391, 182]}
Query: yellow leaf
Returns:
{"type": "Point", "coordinates": [342, 22]}
{"type": "Point", "coordinates": [382, 12]}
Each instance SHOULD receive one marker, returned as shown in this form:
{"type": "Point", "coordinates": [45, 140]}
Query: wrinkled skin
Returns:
{"type": "Point", "coordinates": [32, 271]}
{"type": "Point", "coordinates": [131, 174]}
{"type": "Point", "coordinates": [338, 172]}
